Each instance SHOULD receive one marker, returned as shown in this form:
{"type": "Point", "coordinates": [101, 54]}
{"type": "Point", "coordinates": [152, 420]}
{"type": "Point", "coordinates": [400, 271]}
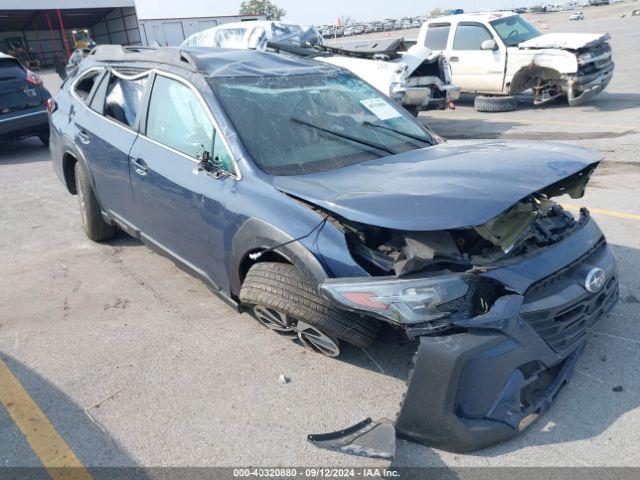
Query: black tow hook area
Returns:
{"type": "Point", "coordinates": [366, 439]}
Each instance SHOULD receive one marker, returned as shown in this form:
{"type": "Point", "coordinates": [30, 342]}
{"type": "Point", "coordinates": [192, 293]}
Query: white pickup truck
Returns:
{"type": "Point", "coordinates": [499, 55]}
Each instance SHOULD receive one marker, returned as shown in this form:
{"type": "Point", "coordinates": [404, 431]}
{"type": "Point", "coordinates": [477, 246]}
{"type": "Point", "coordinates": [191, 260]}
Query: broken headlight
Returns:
{"type": "Point", "coordinates": [402, 301]}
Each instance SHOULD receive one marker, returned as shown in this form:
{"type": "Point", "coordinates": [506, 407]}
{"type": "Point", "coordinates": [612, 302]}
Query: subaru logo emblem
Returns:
{"type": "Point", "coordinates": [595, 280]}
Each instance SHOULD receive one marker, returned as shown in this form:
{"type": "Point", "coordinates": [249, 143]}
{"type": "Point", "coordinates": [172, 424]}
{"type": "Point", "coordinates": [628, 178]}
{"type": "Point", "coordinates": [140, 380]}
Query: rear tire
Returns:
{"type": "Point", "coordinates": [280, 287]}
{"type": "Point", "coordinates": [44, 138]}
{"type": "Point", "coordinates": [92, 222]}
{"type": "Point", "coordinates": [483, 103]}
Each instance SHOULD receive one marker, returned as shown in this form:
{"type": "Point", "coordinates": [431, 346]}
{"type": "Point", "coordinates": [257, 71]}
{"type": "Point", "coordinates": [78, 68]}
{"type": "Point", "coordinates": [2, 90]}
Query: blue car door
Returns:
{"type": "Point", "coordinates": [106, 131]}
{"type": "Point", "coordinates": [180, 209]}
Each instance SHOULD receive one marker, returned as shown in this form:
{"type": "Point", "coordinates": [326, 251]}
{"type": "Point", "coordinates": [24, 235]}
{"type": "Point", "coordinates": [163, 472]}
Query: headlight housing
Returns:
{"type": "Point", "coordinates": [401, 301]}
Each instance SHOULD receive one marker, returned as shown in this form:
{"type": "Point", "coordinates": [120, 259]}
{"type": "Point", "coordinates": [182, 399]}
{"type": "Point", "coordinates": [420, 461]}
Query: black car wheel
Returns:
{"type": "Point", "coordinates": [283, 300]}
{"type": "Point", "coordinates": [94, 225]}
{"type": "Point", "coordinates": [44, 137]}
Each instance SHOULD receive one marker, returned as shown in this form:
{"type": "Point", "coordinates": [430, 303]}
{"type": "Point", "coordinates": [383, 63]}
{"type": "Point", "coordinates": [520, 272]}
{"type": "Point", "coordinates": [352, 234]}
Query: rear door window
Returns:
{"type": "Point", "coordinates": [469, 36]}
{"type": "Point", "coordinates": [123, 97]}
{"type": "Point", "coordinates": [437, 35]}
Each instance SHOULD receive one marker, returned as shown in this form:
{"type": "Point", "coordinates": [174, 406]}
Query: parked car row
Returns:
{"type": "Point", "coordinates": [376, 26]}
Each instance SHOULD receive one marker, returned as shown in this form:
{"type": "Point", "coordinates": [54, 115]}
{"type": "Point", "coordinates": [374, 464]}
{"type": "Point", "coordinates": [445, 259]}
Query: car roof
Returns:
{"type": "Point", "coordinates": [472, 17]}
{"type": "Point", "coordinates": [3, 55]}
{"type": "Point", "coordinates": [214, 62]}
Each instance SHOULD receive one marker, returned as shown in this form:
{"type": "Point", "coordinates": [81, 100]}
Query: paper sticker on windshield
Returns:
{"type": "Point", "coordinates": [380, 108]}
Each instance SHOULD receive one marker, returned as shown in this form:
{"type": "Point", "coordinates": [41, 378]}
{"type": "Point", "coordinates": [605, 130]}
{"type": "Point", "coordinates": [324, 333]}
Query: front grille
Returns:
{"type": "Point", "coordinates": [545, 286]}
{"type": "Point", "coordinates": [564, 326]}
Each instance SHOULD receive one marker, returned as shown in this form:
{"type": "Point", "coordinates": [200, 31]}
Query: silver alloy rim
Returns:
{"type": "Point", "coordinates": [272, 319]}
{"type": "Point", "coordinates": [314, 339]}
{"type": "Point", "coordinates": [309, 336]}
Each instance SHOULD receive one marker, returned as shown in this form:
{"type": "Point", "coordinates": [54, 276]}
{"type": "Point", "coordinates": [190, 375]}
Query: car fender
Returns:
{"type": "Point", "coordinates": [256, 235]}
{"type": "Point", "coordinates": [561, 61]}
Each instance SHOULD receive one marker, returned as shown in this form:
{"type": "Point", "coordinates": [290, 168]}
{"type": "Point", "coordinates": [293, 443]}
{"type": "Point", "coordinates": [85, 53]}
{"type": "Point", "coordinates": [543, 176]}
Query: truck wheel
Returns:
{"type": "Point", "coordinates": [412, 109]}
{"type": "Point", "coordinates": [283, 300]}
{"type": "Point", "coordinates": [483, 103]}
{"type": "Point", "coordinates": [92, 222]}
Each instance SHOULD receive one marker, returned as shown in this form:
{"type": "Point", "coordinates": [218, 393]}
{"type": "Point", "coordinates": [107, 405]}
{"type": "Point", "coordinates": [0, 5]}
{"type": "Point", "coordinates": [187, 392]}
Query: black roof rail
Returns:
{"type": "Point", "coordinates": [164, 55]}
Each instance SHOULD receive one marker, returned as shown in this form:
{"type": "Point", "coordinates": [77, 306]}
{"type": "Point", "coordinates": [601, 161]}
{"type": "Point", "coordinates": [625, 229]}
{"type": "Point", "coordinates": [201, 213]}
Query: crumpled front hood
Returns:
{"type": "Point", "coordinates": [570, 41]}
{"type": "Point", "coordinates": [440, 187]}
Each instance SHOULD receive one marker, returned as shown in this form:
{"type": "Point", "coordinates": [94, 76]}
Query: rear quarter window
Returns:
{"type": "Point", "coordinates": [437, 35]}
{"type": "Point", "coordinates": [82, 88]}
{"type": "Point", "coordinates": [10, 69]}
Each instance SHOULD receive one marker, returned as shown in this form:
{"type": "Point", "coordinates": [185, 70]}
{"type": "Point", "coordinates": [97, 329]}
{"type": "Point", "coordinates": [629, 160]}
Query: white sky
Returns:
{"type": "Point", "coordinates": [316, 11]}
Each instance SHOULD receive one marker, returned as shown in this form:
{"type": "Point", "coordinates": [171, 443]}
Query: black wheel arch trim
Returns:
{"type": "Point", "coordinates": [256, 235]}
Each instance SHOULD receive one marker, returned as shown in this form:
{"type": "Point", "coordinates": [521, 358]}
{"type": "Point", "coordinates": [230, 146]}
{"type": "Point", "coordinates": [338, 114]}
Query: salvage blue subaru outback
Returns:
{"type": "Point", "coordinates": [298, 192]}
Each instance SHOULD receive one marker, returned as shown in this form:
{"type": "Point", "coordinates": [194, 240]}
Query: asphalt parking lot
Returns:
{"type": "Point", "coordinates": [134, 363]}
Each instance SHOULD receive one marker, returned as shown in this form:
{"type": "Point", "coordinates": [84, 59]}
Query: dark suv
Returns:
{"type": "Point", "coordinates": [298, 192]}
{"type": "Point", "coordinates": [23, 102]}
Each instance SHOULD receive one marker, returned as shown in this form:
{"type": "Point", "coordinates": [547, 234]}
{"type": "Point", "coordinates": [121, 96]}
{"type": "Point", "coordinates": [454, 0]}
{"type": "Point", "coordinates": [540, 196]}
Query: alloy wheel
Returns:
{"type": "Point", "coordinates": [310, 336]}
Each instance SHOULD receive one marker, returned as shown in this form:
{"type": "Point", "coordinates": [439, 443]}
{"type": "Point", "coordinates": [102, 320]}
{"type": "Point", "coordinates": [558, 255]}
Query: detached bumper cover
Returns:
{"type": "Point", "coordinates": [470, 391]}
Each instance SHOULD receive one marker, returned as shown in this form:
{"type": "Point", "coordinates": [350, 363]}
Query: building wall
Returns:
{"type": "Point", "coordinates": [172, 31]}
{"type": "Point", "coordinates": [120, 27]}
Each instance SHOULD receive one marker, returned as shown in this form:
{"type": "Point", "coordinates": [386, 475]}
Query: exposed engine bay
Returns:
{"type": "Point", "coordinates": [531, 224]}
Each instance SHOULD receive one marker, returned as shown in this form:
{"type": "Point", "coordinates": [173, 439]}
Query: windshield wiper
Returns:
{"type": "Point", "coordinates": [367, 123]}
{"type": "Point", "coordinates": [345, 136]}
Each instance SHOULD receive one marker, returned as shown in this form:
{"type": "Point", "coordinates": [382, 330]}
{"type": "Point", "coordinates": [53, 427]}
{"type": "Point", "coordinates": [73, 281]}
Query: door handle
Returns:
{"type": "Point", "coordinates": [84, 137]}
{"type": "Point", "coordinates": [454, 59]}
{"type": "Point", "coordinates": [140, 166]}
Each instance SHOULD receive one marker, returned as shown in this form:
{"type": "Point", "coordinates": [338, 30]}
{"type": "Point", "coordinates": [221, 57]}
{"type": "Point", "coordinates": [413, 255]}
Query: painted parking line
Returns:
{"type": "Point", "coordinates": [600, 211]}
{"type": "Point", "coordinates": [44, 440]}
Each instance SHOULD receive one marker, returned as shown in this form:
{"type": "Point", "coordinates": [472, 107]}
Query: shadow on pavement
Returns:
{"type": "Point", "coordinates": [93, 446]}
{"type": "Point", "coordinates": [28, 150]}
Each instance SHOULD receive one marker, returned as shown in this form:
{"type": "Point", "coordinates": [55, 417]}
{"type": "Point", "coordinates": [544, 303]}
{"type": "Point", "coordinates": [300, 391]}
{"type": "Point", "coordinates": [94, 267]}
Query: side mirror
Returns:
{"type": "Point", "coordinates": [489, 45]}
{"type": "Point", "coordinates": [211, 166]}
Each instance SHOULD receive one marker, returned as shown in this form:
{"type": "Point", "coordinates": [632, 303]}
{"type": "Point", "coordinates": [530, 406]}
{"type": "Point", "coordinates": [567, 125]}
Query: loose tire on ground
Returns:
{"type": "Point", "coordinates": [283, 288]}
{"type": "Point", "coordinates": [483, 103]}
{"type": "Point", "coordinates": [92, 222]}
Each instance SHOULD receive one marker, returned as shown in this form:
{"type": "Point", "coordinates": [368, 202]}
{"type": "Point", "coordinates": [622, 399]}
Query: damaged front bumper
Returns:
{"type": "Point", "coordinates": [582, 88]}
{"type": "Point", "coordinates": [490, 377]}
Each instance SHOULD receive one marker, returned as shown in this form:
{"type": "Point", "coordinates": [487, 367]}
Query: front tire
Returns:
{"type": "Point", "coordinates": [483, 103]}
{"type": "Point", "coordinates": [284, 301]}
{"type": "Point", "coordinates": [92, 222]}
